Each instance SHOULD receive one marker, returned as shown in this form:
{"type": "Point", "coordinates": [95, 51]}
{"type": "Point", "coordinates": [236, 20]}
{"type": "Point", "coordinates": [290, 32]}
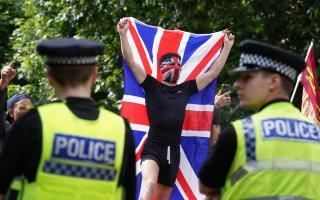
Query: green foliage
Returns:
{"type": "Point", "coordinates": [290, 24]}
{"type": "Point", "coordinates": [9, 10]}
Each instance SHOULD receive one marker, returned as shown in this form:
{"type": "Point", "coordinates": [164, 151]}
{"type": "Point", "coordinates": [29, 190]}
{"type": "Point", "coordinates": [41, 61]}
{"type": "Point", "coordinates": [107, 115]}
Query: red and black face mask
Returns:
{"type": "Point", "coordinates": [170, 69]}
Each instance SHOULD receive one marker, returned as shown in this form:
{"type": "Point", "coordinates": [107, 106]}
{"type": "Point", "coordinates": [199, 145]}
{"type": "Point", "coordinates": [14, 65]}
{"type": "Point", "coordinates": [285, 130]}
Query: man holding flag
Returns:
{"type": "Point", "coordinates": [166, 101]}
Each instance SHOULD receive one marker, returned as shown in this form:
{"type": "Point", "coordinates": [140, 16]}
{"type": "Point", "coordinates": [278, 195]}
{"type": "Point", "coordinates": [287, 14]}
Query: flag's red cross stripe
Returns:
{"type": "Point", "coordinates": [185, 186]}
{"type": "Point", "coordinates": [141, 51]}
{"type": "Point", "coordinates": [205, 60]}
{"type": "Point", "coordinates": [194, 120]}
{"type": "Point", "coordinates": [167, 46]}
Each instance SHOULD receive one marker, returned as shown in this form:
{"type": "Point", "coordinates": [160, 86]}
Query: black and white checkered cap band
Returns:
{"type": "Point", "coordinates": [82, 60]}
{"type": "Point", "coordinates": [79, 171]}
{"type": "Point", "coordinates": [268, 63]}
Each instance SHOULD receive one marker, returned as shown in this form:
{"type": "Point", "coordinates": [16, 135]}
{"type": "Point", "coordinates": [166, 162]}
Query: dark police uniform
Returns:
{"type": "Point", "coordinates": [3, 122]}
{"type": "Point", "coordinates": [272, 153]}
{"type": "Point", "coordinates": [88, 155]}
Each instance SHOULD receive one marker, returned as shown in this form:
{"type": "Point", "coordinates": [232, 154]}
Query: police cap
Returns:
{"type": "Point", "coordinates": [70, 51]}
{"type": "Point", "coordinates": [257, 55]}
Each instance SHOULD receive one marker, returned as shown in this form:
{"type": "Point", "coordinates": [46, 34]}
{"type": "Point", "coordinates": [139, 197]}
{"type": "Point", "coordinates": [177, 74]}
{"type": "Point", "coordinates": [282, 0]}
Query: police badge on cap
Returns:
{"type": "Point", "coordinates": [257, 55]}
{"type": "Point", "coordinates": [70, 52]}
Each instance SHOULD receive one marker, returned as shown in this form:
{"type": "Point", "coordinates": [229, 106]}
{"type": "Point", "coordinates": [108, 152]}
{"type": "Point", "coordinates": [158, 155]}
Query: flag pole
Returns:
{"type": "Point", "coordinates": [296, 87]}
{"type": "Point", "coordinates": [300, 75]}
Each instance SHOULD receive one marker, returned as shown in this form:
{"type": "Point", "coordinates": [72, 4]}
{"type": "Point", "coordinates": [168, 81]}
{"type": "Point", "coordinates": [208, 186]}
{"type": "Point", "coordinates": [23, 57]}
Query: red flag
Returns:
{"type": "Point", "coordinates": [310, 105]}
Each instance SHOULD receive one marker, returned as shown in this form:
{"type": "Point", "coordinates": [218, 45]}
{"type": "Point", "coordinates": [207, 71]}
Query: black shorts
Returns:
{"type": "Point", "coordinates": [168, 165]}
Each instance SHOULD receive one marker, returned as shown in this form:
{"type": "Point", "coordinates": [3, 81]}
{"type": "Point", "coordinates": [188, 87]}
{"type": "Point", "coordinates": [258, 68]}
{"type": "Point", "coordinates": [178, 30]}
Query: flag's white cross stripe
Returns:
{"type": "Point", "coordinates": [185, 133]}
{"type": "Point", "coordinates": [134, 99]}
{"type": "Point", "coordinates": [183, 44]}
{"type": "Point", "coordinates": [191, 107]}
{"type": "Point", "coordinates": [155, 48]}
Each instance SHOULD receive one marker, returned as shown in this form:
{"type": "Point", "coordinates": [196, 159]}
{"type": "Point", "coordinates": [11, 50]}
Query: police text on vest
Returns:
{"type": "Point", "coordinates": [70, 147]}
{"type": "Point", "coordinates": [290, 129]}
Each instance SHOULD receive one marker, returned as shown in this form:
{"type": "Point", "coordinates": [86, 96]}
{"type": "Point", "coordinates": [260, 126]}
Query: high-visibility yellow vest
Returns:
{"type": "Point", "coordinates": [277, 156]}
{"type": "Point", "coordinates": [16, 186]}
{"type": "Point", "coordinates": [80, 159]}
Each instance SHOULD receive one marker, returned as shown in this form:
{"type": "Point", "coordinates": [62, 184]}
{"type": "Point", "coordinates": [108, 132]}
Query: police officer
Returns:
{"type": "Point", "coordinates": [70, 148]}
{"type": "Point", "coordinates": [274, 153]}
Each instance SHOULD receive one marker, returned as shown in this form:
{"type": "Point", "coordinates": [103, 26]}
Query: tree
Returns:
{"type": "Point", "coordinates": [9, 11]}
{"type": "Point", "coordinates": [289, 24]}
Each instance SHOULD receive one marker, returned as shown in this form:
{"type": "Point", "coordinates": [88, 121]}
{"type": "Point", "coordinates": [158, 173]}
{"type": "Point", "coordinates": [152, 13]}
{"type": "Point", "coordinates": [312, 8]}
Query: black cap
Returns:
{"type": "Point", "coordinates": [70, 51]}
{"type": "Point", "coordinates": [257, 55]}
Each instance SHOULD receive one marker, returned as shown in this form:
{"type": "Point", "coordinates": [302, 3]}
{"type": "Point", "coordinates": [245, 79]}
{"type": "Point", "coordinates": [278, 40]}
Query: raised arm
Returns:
{"type": "Point", "coordinates": [7, 74]}
{"type": "Point", "coordinates": [136, 69]}
{"type": "Point", "coordinates": [216, 67]}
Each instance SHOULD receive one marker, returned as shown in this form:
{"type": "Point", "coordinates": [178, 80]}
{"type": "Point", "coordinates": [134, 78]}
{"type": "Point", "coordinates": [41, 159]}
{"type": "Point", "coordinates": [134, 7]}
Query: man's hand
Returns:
{"type": "Point", "coordinates": [211, 193]}
{"type": "Point", "coordinates": [123, 26]}
{"type": "Point", "coordinates": [222, 100]}
{"type": "Point", "coordinates": [7, 74]}
{"type": "Point", "coordinates": [228, 39]}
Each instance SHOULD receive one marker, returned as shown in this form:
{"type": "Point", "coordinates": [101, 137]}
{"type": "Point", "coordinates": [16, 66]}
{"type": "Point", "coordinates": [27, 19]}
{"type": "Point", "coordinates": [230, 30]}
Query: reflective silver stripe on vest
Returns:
{"type": "Point", "coordinates": [279, 198]}
{"type": "Point", "coordinates": [250, 138]}
{"type": "Point", "coordinates": [276, 164]}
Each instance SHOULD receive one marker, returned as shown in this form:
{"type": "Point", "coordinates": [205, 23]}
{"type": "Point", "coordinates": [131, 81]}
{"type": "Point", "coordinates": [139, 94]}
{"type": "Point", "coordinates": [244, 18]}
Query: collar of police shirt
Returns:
{"type": "Point", "coordinates": [273, 101]}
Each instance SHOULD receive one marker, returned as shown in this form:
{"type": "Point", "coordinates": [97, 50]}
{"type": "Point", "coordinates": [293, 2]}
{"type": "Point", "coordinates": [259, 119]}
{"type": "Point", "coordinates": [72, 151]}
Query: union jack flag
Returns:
{"type": "Point", "coordinates": [198, 52]}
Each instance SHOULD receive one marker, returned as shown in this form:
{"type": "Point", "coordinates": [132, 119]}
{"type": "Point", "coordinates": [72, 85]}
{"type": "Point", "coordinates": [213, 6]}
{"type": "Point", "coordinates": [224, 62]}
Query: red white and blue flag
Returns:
{"type": "Point", "coordinates": [198, 52]}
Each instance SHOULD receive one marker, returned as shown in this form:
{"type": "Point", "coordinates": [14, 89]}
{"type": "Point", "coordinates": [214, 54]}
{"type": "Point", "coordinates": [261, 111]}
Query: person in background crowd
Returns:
{"type": "Point", "coordinates": [221, 100]}
{"type": "Point", "coordinates": [274, 153]}
{"type": "Point", "coordinates": [17, 105]}
{"type": "Point", "coordinates": [70, 148]}
{"type": "Point", "coordinates": [7, 74]}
